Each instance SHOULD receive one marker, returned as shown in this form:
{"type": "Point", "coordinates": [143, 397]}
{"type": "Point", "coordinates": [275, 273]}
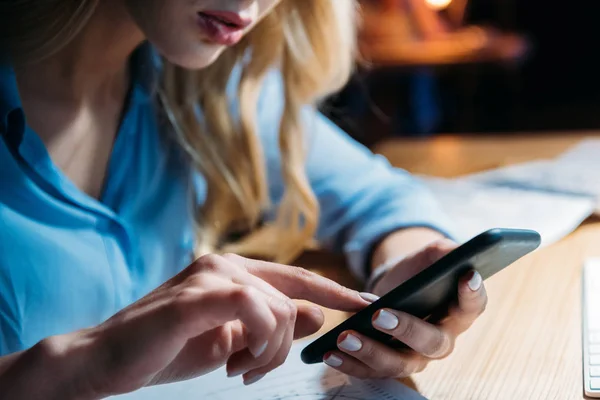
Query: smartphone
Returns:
{"type": "Point", "coordinates": [428, 294]}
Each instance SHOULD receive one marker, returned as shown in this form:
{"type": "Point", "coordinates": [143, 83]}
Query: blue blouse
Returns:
{"type": "Point", "coordinates": [69, 261]}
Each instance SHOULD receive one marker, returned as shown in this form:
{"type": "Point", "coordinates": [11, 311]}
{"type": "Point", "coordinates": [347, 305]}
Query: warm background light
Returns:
{"type": "Point", "coordinates": [438, 4]}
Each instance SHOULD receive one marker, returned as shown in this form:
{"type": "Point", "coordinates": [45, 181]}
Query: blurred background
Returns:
{"type": "Point", "coordinates": [435, 67]}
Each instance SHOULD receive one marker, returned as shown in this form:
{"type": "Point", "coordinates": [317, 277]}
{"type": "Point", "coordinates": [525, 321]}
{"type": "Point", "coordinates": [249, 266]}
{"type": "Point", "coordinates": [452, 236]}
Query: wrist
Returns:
{"type": "Point", "coordinates": [67, 361]}
{"type": "Point", "coordinates": [47, 370]}
{"type": "Point", "coordinates": [380, 271]}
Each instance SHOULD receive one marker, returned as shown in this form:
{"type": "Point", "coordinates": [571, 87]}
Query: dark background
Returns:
{"type": "Point", "coordinates": [555, 87]}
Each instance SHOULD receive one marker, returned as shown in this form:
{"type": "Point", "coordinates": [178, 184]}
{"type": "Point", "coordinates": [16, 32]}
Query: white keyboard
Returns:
{"type": "Point", "coordinates": [591, 327]}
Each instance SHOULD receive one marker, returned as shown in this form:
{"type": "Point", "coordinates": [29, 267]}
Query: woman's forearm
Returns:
{"type": "Point", "coordinates": [52, 369]}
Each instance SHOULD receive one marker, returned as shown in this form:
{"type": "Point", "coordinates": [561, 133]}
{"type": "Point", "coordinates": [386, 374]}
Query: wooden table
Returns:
{"type": "Point", "coordinates": [527, 345]}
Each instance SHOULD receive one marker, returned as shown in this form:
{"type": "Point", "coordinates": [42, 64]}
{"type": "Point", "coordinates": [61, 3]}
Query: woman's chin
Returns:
{"type": "Point", "coordinates": [201, 58]}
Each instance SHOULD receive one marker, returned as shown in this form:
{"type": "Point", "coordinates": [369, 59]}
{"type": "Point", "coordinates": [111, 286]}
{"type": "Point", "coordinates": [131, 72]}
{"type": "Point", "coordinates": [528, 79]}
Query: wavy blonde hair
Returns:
{"type": "Point", "coordinates": [310, 41]}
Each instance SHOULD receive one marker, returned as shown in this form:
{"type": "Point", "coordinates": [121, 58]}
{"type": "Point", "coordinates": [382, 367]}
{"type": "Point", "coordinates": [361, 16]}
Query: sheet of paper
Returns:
{"type": "Point", "coordinates": [546, 175]}
{"type": "Point", "coordinates": [576, 172]}
{"type": "Point", "coordinates": [476, 208]}
{"type": "Point", "coordinates": [294, 380]}
{"type": "Point", "coordinates": [586, 152]}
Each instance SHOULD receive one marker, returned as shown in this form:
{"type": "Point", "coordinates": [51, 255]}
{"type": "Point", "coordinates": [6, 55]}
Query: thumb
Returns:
{"type": "Point", "coordinates": [435, 251]}
{"type": "Point", "coordinates": [308, 321]}
{"type": "Point", "coordinates": [415, 263]}
{"type": "Point", "coordinates": [425, 257]}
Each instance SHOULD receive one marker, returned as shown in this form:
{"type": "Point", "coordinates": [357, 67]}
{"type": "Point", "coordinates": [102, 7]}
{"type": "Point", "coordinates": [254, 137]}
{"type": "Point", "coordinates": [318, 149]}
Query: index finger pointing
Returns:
{"type": "Point", "coordinates": [299, 283]}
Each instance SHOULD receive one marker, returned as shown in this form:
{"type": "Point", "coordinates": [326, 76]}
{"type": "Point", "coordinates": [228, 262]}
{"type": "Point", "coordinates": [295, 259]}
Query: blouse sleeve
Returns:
{"type": "Point", "coordinates": [362, 197]}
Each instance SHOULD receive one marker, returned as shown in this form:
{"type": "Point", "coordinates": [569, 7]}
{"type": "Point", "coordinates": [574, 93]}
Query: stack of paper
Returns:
{"type": "Point", "coordinates": [475, 208]}
{"type": "Point", "coordinates": [293, 380]}
{"type": "Point", "coordinates": [576, 173]}
{"type": "Point", "coordinates": [550, 196]}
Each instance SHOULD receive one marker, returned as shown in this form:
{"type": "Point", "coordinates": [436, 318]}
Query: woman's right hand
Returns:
{"type": "Point", "coordinates": [220, 310]}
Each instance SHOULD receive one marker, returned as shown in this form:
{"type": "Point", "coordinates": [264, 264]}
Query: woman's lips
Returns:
{"type": "Point", "coordinates": [223, 27]}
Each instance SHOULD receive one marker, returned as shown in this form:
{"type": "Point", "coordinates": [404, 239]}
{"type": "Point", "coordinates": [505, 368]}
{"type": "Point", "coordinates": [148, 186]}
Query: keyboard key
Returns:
{"type": "Point", "coordinates": [595, 359]}
{"type": "Point", "coordinates": [594, 337]}
{"type": "Point", "coordinates": [595, 349]}
{"type": "Point", "coordinates": [591, 324]}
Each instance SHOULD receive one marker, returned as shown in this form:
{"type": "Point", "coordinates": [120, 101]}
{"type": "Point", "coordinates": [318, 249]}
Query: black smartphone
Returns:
{"type": "Point", "coordinates": [428, 294]}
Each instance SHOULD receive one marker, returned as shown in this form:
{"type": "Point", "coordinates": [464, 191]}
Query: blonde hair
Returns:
{"type": "Point", "coordinates": [310, 41]}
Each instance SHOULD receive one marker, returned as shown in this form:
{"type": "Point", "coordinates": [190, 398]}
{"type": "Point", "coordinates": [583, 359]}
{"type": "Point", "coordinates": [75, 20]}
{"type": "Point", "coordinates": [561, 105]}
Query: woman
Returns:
{"type": "Point", "coordinates": [128, 123]}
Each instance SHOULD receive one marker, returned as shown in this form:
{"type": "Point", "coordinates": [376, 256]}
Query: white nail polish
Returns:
{"type": "Point", "coordinates": [260, 350]}
{"type": "Point", "coordinates": [333, 361]}
{"type": "Point", "coordinates": [475, 282]}
{"type": "Point", "coordinates": [233, 374]}
{"type": "Point", "coordinates": [254, 379]}
{"type": "Point", "coordinates": [351, 343]}
{"type": "Point", "coordinates": [370, 297]}
{"type": "Point", "coordinates": [386, 320]}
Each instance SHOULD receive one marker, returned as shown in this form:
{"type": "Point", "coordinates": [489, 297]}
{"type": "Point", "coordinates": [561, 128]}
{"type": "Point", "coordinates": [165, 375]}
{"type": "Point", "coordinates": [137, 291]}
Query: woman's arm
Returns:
{"type": "Point", "coordinates": [48, 370]}
{"type": "Point", "coordinates": [375, 213]}
{"type": "Point", "coordinates": [230, 309]}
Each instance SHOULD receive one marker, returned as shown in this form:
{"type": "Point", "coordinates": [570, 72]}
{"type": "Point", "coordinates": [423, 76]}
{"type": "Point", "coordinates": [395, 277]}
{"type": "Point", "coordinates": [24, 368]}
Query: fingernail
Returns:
{"type": "Point", "coordinates": [234, 373]}
{"type": "Point", "coordinates": [370, 297]}
{"type": "Point", "coordinates": [386, 320]}
{"type": "Point", "coordinates": [254, 379]}
{"type": "Point", "coordinates": [260, 350]}
{"type": "Point", "coordinates": [333, 361]}
{"type": "Point", "coordinates": [475, 281]}
{"type": "Point", "coordinates": [351, 343]}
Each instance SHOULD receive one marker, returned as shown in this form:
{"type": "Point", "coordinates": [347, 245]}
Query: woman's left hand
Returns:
{"type": "Point", "coordinates": [362, 357]}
